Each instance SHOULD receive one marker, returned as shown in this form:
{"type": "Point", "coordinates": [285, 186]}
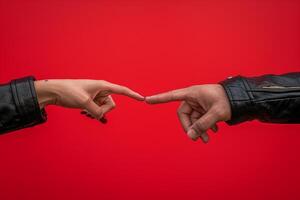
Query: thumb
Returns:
{"type": "Point", "coordinates": [201, 126]}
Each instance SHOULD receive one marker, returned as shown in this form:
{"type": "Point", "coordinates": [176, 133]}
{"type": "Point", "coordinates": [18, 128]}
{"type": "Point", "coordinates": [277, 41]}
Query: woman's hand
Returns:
{"type": "Point", "coordinates": [92, 96]}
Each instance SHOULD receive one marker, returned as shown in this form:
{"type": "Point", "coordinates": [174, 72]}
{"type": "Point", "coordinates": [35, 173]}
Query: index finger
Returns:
{"type": "Point", "coordinates": [173, 95]}
{"type": "Point", "coordinates": [119, 89]}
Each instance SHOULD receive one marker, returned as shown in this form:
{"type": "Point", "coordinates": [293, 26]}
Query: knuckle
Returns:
{"type": "Point", "coordinates": [193, 88]}
{"type": "Point", "coordinates": [86, 101]}
{"type": "Point", "coordinates": [172, 94]}
{"type": "Point", "coordinates": [103, 82]}
{"type": "Point", "coordinates": [124, 89]}
{"type": "Point", "coordinates": [218, 112]}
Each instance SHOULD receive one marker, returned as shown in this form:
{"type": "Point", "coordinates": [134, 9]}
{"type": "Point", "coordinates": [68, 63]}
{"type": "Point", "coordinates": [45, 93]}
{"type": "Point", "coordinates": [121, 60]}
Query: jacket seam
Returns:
{"type": "Point", "coordinates": [22, 105]}
{"type": "Point", "coordinates": [15, 97]}
{"type": "Point", "coordinates": [32, 97]}
{"type": "Point", "coordinates": [273, 99]}
{"type": "Point", "coordinates": [230, 97]}
{"type": "Point", "coordinates": [247, 89]}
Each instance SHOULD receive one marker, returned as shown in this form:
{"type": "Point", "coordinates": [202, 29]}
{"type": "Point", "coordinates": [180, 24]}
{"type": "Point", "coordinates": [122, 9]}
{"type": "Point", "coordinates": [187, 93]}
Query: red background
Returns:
{"type": "Point", "coordinates": [150, 46]}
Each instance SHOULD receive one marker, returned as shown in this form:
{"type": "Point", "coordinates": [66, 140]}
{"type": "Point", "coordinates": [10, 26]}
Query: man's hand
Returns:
{"type": "Point", "coordinates": [201, 108]}
{"type": "Point", "coordinates": [92, 96]}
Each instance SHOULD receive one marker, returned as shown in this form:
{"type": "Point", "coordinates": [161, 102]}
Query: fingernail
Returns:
{"type": "Point", "coordinates": [103, 120]}
{"type": "Point", "coordinates": [142, 98]}
{"type": "Point", "coordinates": [192, 135]}
{"type": "Point", "coordinates": [205, 138]}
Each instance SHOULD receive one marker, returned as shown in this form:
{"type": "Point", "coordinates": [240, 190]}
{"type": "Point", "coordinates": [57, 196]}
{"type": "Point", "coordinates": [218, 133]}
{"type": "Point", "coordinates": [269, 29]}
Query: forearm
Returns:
{"type": "Point", "coordinates": [268, 98]}
{"type": "Point", "coordinates": [19, 107]}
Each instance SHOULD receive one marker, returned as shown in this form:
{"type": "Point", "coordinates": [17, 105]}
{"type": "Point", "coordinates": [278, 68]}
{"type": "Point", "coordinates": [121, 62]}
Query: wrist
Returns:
{"type": "Point", "coordinates": [45, 93]}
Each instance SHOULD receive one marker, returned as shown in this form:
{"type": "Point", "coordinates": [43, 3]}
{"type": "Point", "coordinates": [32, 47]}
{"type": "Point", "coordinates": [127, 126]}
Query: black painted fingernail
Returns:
{"type": "Point", "coordinates": [103, 120]}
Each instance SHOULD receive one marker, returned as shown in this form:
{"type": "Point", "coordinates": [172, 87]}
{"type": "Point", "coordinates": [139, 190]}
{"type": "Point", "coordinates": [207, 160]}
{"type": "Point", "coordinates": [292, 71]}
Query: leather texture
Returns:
{"type": "Point", "coordinates": [19, 107]}
{"type": "Point", "coordinates": [269, 98]}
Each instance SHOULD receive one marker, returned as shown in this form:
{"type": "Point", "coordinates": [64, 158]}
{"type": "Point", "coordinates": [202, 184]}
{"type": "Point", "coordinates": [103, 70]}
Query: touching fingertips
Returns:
{"type": "Point", "coordinates": [195, 122]}
{"type": "Point", "coordinates": [140, 97]}
{"type": "Point", "coordinates": [148, 99]}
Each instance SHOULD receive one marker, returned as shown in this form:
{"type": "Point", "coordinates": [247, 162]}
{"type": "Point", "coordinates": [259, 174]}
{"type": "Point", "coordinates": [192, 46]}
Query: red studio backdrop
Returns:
{"type": "Point", "coordinates": [150, 46]}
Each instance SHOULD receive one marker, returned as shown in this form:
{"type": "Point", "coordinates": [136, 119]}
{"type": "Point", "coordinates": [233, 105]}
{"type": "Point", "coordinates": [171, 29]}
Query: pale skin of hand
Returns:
{"type": "Point", "coordinates": [202, 107]}
{"type": "Point", "coordinates": [93, 97]}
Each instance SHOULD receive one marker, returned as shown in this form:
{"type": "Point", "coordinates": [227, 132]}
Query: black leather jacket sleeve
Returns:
{"type": "Point", "coordinates": [268, 98]}
{"type": "Point", "coordinates": [19, 107]}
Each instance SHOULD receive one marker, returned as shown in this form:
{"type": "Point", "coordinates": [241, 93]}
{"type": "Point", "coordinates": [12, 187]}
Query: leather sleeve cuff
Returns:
{"type": "Point", "coordinates": [242, 108]}
{"type": "Point", "coordinates": [25, 99]}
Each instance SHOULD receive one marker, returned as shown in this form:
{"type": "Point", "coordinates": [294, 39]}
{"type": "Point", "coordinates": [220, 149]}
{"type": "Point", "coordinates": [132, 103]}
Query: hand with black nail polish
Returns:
{"type": "Point", "coordinates": [93, 97]}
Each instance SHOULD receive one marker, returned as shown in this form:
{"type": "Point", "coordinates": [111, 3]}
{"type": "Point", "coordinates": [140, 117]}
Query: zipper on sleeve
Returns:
{"type": "Point", "coordinates": [276, 89]}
